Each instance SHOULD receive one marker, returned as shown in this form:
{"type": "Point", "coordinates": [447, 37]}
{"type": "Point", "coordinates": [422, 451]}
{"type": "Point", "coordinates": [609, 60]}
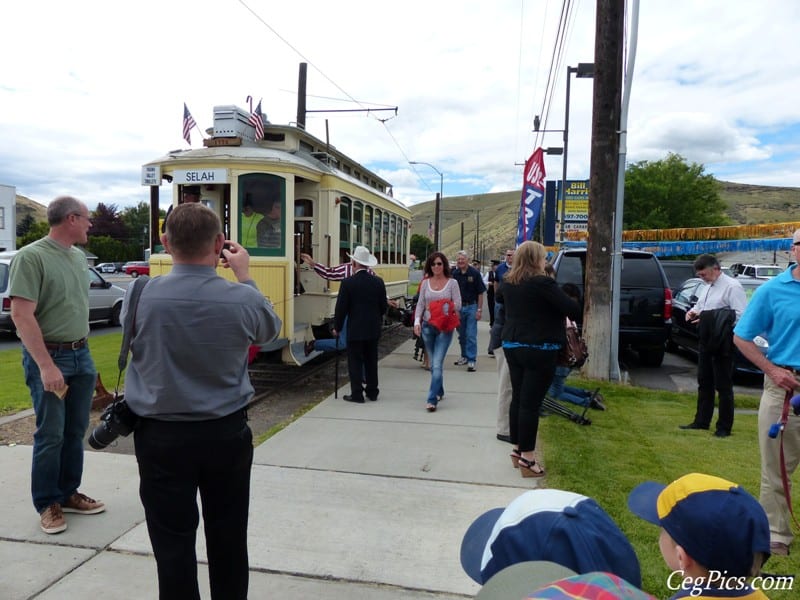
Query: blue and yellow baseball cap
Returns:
{"type": "Point", "coordinates": [717, 522]}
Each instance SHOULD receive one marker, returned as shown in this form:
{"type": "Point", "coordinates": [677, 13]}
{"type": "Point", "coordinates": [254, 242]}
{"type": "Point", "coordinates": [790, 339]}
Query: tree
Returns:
{"type": "Point", "coordinates": [671, 193]}
{"type": "Point", "coordinates": [25, 225]}
{"type": "Point", "coordinates": [137, 221]}
{"type": "Point", "coordinates": [36, 232]}
{"type": "Point", "coordinates": [106, 222]}
{"type": "Point", "coordinates": [420, 246]}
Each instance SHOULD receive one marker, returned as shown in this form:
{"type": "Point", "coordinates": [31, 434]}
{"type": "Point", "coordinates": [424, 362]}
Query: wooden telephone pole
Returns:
{"type": "Point", "coordinates": [607, 95]}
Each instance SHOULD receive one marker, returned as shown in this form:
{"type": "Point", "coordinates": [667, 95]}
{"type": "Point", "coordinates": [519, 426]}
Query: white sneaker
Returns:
{"type": "Point", "coordinates": [471, 366]}
{"type": "Point", "coordinates": [460, 362]}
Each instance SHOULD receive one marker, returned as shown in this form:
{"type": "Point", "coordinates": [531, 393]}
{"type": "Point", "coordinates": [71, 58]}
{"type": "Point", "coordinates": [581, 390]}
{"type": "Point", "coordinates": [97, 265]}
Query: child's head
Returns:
{"type": "Point", "coordinates": [551, 525]}
{"type": "Point", "coordinates": [712, 521]}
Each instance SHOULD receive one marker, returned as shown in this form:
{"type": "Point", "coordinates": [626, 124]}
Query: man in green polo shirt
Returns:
{"type": "Point", "coordinates": [49, 289]}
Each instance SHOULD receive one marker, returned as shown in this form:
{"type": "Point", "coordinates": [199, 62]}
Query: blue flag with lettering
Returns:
{"type": "Point", "coordinates": [530, 204]}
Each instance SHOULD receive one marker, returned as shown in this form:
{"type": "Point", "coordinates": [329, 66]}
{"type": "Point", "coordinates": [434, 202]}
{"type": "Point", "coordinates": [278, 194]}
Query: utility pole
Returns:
{"type": "Point", "coordinates": [606, 103]}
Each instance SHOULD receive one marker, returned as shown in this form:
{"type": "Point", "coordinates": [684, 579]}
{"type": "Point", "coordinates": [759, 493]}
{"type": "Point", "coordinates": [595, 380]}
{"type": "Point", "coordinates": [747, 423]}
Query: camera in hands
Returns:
{"type": "Point", "coordinates": [117, 420]}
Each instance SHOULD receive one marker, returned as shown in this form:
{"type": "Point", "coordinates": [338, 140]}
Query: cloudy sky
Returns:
{"type": "Point", "coordinates": [92, 90]}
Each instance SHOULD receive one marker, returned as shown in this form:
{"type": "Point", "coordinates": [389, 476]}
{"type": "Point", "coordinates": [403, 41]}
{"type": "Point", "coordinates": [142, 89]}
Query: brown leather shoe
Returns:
{"type": "Point", "coordinates": [308, 347]}
{"type": "Point", "coordinates": [52, 519]}
{"type": "Point", "coordinates": [83, 505]}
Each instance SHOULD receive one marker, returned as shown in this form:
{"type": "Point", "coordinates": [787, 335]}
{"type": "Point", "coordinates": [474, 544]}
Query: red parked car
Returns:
{"type": "Point", "coordinates": [136, 268]}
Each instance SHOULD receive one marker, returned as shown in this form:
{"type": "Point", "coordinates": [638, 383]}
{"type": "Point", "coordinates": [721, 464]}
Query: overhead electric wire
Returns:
{"type": "Point", "coordinates": [336, 85]}
{"type": "Point", "coordinates": [555, 62]}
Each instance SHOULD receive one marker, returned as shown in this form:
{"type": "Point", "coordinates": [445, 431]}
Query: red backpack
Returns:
{"type": "Point", "coordinates": [443, 315]}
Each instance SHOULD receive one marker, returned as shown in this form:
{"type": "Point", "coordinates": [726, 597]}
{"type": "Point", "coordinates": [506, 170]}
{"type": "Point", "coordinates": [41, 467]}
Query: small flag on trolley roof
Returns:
{"type": "Point", "coordinates": [188, 124]}
{"type": "Point", "coordinates": [257, 121]}
{"type": "Point", "coordinates": [430, 229]}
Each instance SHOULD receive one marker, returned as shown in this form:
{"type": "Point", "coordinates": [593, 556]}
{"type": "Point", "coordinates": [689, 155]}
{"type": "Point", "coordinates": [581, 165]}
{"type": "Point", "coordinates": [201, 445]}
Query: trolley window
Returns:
{"type": "Point", "coordinates": [344, 229]}
{"type": "Point", "coordinates": [377, 233]}
{"type": "Point", "coordinates": [358, 223]}
{"type": "Point", "coordinates": [368, 228]}
{"type": "Point", "coordinates": [262, 221]}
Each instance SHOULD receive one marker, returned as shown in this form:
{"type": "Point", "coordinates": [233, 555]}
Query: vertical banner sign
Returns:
{"type": "Point", "coordinates": [530, 204]}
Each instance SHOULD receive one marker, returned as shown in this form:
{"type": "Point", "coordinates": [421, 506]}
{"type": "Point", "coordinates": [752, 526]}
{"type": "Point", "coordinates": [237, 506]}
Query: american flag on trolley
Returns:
{"type": "Point", "coordinates": [257, 121]}
{"type": "Point", "coordinates": [430, 229]}
{"type": "Point", "coordinates": [188, 124]}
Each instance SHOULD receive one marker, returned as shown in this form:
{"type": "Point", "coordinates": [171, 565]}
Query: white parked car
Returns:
{"type": "Point", "coordinates": [105, 299]}
{"type": "Point", "coordinates": [107, 268]}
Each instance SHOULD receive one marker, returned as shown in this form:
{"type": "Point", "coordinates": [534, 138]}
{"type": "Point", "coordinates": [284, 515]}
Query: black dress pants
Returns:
{"type": "Point", "coordinates": [714, 373]}
{"type": "Point", "coordinates": [176, 459]}
{"type": "Point", "coordinates": [362, 364]}
{"type": "Point", "coordinates": [531, 372]}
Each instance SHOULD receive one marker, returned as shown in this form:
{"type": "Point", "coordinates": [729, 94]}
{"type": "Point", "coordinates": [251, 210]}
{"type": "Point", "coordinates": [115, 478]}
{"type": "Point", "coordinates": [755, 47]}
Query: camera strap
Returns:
{"type": "Point", "coordinates": [135, 290]}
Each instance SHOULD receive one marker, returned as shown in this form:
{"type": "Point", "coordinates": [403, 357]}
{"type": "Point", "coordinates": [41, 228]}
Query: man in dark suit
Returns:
{"type": "Point", "coordinates": [362, 301]}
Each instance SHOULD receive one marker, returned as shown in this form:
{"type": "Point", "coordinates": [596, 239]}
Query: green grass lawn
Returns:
{"type": "Point", "coordinates": [638, 439]}
{"type": "Point", "coordinates": [15, 396]}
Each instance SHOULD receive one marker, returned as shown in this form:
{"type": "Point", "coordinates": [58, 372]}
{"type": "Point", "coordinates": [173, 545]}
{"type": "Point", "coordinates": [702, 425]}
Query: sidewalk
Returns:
{"type": "Point", "coordinates": [351, 501]}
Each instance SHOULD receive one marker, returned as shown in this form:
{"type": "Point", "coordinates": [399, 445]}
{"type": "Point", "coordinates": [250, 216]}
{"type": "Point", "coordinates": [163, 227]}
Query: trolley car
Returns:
{"type": "Point", "coordinates": [280, 196]}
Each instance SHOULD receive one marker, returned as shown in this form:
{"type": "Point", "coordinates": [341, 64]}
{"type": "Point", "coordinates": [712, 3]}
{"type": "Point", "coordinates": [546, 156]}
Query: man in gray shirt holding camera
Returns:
{"type": "Point", "coordinates": [188, 383]}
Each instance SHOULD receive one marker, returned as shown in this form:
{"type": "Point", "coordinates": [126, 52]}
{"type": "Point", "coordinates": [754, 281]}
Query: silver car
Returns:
{"type": "Point", "coordinates": [105, 299]}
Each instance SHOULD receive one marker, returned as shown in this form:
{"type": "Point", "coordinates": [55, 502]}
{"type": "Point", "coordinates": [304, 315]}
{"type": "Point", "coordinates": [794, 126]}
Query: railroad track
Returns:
{"type": "Point", "coordinates": [269, 378]}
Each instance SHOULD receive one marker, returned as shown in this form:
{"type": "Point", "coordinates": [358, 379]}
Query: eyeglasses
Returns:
{"type": "Point", "coordinates": [438, 264]}
{"type": "Point", "coordinates": [88, 218]}
{"type": "Point", "coordinates": [796, 244]}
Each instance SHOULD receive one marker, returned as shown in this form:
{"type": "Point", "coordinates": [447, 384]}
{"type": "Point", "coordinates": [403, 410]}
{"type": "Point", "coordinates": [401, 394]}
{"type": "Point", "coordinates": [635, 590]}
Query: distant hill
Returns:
{"type": "Point", "coordinates": [747, 204]}
{"type": "Point", "coordinates": [26, 206]}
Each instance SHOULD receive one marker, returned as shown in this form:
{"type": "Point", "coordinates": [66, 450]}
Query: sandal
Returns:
{"type": "Point", "coordinates": [430, 407]}
{"type": "Point", "coordinates": [530, 468]}
{"type": "Point", "coordinates": [515, 456]}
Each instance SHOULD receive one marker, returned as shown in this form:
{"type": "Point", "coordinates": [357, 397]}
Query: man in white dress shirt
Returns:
{"type": "Point", "coordinates": [717, 310]}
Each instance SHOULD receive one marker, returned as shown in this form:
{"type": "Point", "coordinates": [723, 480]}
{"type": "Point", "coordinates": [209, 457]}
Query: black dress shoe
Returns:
{"type": "Point", "coordinates": [721, 433]}
{"type": "Point", "coordinates": [349, 398]}
{"type": "Point", "coordinates": [692, 426]}
{"type": "Point", "coordinates": [504, 438]}
{"type": "Point", "coordinates": [375, 399]}
{"type": "Point", "coordinates": [308, 347]}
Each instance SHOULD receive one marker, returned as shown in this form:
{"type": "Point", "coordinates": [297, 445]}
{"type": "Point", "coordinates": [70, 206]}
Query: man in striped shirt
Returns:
{"type": "Point", "coordinates": [337, 273]}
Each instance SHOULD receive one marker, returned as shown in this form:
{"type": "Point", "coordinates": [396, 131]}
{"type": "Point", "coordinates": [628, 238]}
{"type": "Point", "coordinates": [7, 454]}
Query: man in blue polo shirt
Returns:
{"type": "Point", "coordinates": [472, 288]}
{"type": "Point", "coordinates": [774, 312]}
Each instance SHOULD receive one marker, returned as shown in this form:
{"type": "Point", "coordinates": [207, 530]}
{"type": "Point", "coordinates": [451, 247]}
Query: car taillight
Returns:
{"type": "Point", "coordinates": [667, 304]}
{"type": "Point", "coordinates": [7, 304]}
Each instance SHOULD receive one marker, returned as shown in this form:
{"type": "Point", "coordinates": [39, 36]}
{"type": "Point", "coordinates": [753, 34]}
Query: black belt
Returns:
{"type": "Point", "coordinates": [788, 368]}
{"type": "Point", "coordinates": [76, 345]}
{"type": "Point", "coordinates": [468, 303]}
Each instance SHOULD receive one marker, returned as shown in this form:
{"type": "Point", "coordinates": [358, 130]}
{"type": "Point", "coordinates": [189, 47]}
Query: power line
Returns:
{"type": "Point", "coordinates": [337, 86]}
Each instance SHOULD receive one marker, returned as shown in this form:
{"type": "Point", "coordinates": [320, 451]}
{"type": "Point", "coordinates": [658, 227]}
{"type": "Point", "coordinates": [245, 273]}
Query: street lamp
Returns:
{"type": "Point", "coordinates": [436, 235]}
{"type": "Point", "coordinates": [583, 70]}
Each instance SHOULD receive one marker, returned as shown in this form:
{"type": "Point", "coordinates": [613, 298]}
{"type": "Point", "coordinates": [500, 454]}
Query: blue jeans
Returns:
{"type": "Point", "coordinates": [329, 344]}
{"type": "Point", "coordinates": [436, 345]}
{"type": "Point", "coordinates": [559, 391]}
{"type": "Point", "coordinates": [468, 332]}
{"type": "Point", "coordinates": [60, 425]}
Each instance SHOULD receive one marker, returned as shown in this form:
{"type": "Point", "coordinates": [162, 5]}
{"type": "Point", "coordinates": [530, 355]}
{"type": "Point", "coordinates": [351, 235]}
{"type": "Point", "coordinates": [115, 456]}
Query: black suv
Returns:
{"type": "Point", "coordinates": [645, 307]}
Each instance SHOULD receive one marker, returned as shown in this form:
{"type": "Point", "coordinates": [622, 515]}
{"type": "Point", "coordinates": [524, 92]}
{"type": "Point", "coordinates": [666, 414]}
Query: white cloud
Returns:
{"type": "Point", "coordinates": [88, 100]}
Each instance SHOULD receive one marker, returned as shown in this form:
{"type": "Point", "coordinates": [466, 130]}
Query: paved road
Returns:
{"type": "Point", "coordinates": [678, 373]}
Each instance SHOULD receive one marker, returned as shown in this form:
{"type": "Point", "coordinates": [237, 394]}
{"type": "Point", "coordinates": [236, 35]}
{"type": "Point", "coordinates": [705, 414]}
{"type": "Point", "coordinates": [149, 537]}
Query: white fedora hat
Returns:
{"type": "Point", "coordinates": [363, 256]}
